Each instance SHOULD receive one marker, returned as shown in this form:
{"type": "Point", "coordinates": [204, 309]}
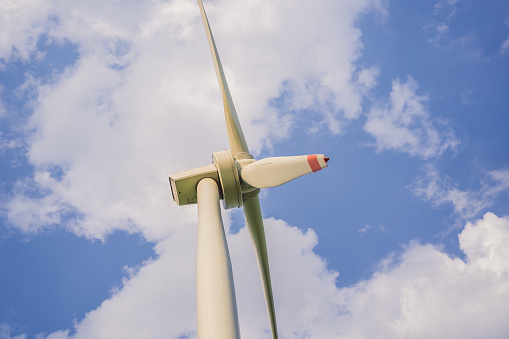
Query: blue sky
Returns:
{"type": "Point", "coordinates": [404, 235]}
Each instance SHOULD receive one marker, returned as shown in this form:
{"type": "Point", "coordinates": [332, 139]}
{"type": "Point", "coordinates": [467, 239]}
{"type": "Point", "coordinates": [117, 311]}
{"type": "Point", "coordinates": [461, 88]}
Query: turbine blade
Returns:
{"type": "Point", "coordinates": [254, 221]}
{"type": "Point", "coordinates": [235, 136]}
{"type": "Point", "coordinates": [271, 172]}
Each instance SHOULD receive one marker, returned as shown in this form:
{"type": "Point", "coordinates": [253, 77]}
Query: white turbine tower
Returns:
{"type": "Point", "coordinates": [236, 178]}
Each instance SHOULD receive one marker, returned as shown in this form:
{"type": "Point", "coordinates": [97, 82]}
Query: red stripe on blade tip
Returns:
{"type": "Point", "coordinates": [313, 162]}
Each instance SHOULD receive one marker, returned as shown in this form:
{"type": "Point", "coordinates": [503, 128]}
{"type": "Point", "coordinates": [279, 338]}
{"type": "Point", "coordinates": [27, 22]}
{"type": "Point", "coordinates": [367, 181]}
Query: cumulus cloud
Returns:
{"type": "Point", "coordinates": [5, 332]}
{"type": "Point", "coordinates": [156, 301]}
{"type": "Point", "coordinates": [424, 293]}
{"type": "Point", "coordinates": [21, 25]}
{"type": "Point", "coordinates": [420, 293]}
{"type": "Point", "coordinates": [142, 101]}
{"type": "Point", "coordinates": [467, 203]}
{"type": "Point", "coordinates": [404, 124]}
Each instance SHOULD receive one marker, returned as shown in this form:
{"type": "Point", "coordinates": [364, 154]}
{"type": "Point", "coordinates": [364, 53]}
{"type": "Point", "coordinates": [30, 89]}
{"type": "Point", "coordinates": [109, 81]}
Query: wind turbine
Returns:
{"type": "Point", "coordinates": [236, 178]}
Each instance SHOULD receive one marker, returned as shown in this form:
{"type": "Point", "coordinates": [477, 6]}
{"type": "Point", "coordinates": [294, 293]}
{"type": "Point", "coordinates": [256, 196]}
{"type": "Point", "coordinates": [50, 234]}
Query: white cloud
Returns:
{"type": "Point", "coordinates": [21, 25]}
{"type": "Point", "coordinates": [444, 34]}
{"type": "Point", "coordinates": [486, 244]}
{"type": "Point", "coordinates": [5, 332]}
{"type": "Point", "coordinates": [426, 294]}
{"type": "Point", "coordinates": [7, 144]}
{"type": "Point", "coordinates": [504, 47]}
{"type": "Point", "coordinates": [302, 283]}
{"type": "Point", "coordinates": [439, 27]}
{"type": "Point", "coordinates": [142, 101]}
{"type": "Point", "coordinates": [3, 110]}
{"type": "Point", "coordinates": [367, 77]}
{"type": "Point", "coordinates": [420, 293]}
{"type": "Point", "coordinates": [467, 203]}
{"type": "Point", "coordinates": [158, 301]}
{"type": "Point", "coordinates": [364, 230]}
{"type": "Point", "coordinates": [404, 124]}
{"type": "Point", "coordinates": [440, 30]}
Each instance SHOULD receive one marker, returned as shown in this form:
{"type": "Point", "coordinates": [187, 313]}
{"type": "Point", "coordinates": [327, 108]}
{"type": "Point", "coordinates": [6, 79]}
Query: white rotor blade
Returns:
{"type": "Point", "coordinates": [271, 172]}
{"type": "Point", "coordinates": [254, 221]}
{"type": "Point", "coordinates": [235, 136]}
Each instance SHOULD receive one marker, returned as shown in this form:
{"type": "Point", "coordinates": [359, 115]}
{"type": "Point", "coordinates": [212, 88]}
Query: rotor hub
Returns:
{"type": "Point", "coordinates": [229, 178]}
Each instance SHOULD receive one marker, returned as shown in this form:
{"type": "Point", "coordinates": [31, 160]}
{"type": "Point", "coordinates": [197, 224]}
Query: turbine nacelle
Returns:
{"type": "Point", "coordinates": [243, 177]}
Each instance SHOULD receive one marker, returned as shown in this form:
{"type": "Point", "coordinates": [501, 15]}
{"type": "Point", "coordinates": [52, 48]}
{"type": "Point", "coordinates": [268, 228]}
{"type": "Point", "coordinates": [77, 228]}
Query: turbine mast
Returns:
{"type": "Point", "coordinates": [215, 293]}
